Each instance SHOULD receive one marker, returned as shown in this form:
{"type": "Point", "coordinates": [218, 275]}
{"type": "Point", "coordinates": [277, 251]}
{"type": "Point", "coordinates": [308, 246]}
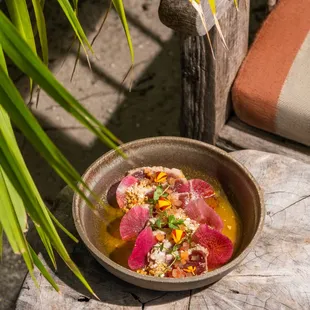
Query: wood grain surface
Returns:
{"type": "Point", "coordinates": [275, 275]}
{"type": "Point", "coordinates": [206, 82]}
{"type": "Point", "coordinates": [236, 135]}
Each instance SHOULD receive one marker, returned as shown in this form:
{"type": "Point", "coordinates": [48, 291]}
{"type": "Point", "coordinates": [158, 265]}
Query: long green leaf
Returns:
{"type": "Point", "coordinates": [47, 244]}
{"type": "Point", "coordinates": [1, 241]}
{"type": "Point", "coordinates": [24, 58]}
{"type": "Point", "coordinates": [119, 6]}
{"type": "Point", "coordinates": [37, 212]}
{"type": "Point", "coordinates": [20, 17]}
{"type": "Point", "coordinates": [2, 60]}
{"type": "Point", "coordinates": [10, 223]}
{"type": "Point", "coordinates": [21, 180]}
{"type": "Point", "coordinates": [65, 230]}
{"type": "Point", "coordinates": [38, 10]}
{"type": "Point", "coordinates": [42, 269]}
{"type": "Point", "coordinates": [18, 205]}
{"type": "Point", "coordinates": [67, 8]}
{"type": "Point", "coordinates": [13, 103]}
{"type": "Point", "coordinates": [5, 218]}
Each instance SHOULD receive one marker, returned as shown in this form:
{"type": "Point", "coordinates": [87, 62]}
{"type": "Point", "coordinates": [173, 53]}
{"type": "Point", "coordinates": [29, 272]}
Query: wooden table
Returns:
{"type": "Point", "coordinates": [275, 275]}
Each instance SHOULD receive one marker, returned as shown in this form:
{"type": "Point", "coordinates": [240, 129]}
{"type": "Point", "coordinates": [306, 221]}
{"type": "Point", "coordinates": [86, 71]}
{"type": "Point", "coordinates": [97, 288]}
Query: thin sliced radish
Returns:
{"type": "Point", "coordinates": [198, 188]}
{"type": "Point", "coordinates": [199, 211]}
{"type": "Point", "coordinates": [194, 189]}
{"type": "Point", "coordinates": [219, 246]}
{"type": "Point", "coordinates": [126, 182]}
{"type": "Point", "coordinates": [143, 245]}
{"type": "Point", "coordinates": [133, 222]}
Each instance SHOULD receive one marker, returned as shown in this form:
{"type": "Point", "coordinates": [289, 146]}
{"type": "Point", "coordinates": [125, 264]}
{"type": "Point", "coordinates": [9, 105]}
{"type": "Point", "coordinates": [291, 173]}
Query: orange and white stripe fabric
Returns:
{"type": "Point", "coordinates": [272, 89]}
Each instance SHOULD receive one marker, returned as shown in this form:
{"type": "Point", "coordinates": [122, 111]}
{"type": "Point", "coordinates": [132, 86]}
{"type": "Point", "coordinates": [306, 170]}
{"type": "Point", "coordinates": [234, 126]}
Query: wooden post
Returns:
{"type": "Point", "coordinates": [206, 82]}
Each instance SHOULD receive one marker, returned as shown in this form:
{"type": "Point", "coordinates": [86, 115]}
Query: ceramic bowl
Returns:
{"type": "Point", "coordinates": [193, 157]}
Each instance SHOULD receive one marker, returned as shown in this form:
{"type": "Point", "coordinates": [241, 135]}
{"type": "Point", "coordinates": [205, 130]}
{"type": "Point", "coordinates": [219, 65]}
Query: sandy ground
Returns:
{"type": "Point", "coordinates": [151, 109]}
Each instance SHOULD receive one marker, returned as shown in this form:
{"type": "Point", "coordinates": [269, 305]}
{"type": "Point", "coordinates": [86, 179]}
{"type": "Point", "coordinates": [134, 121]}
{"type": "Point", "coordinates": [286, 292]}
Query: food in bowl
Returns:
{"type": "Point", "coordinates": [171, 226]}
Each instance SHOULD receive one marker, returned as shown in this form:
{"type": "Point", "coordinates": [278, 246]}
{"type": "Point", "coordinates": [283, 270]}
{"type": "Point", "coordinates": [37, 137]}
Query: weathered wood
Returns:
{"type": "Point", "coordinates": [237, 135]}
{"type": "Point", "coordinates": [206, 82]}
{"type": "Point", "coordinates": [180, 15]}
{"type": "Point", "coordinates": [275, 275]}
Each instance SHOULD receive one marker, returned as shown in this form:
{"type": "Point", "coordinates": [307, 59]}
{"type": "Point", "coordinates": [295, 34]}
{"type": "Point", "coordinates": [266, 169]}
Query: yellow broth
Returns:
{"type": "Point", "coordinates": [113, 246]}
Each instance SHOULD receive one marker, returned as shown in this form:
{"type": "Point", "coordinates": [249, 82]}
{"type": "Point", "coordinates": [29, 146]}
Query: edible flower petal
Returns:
{"type": "Point", "coordinates": [190, 269]}
{"type": "Point", "coordinates": [160, 177]}
{"type": "Point", "coordinates": [177, 235]}
{"type": "Point", "coordinates": [163, 203]}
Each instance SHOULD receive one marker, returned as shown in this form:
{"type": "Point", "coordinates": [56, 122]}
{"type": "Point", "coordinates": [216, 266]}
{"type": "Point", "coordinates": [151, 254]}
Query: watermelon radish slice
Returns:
{"type": "Point", "coordinates": [219, 246]}
{"type": "Point", "coordinates": [198, 188]}
{"type": "Point", "coordinates": [143, 245]}
{"type": "Point", "coordinates": [133, 222]}
{"type": "Point", "coordinates": [199, 211]}
{"type": "Point", "coordinates": [122, 188]}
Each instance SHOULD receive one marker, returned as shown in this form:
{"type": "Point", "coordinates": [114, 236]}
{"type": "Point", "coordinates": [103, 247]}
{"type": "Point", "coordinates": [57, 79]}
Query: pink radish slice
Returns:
{"type": "Point", "coordinates": [133, 222]}
{"type": "Point", "coordinates": [143, 245]}
{"type": "Point", "coordinates": [198, 188]}
{"type": "Point", "coordinates": [219, 246]}
{"type": "Point", "coordinates": [122, 188]}
{"type": "Point", "coordinates": [199, 211]}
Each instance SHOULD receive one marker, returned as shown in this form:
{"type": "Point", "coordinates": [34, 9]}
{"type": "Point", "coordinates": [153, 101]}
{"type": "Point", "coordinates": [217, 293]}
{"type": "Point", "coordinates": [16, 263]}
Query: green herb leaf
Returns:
{"type": "Point", "coordinates": [151, 210]}
{"type": "Point", "coordinates": [158, 192]}
{"type": "Point", "coordinates": [151, 201]}
{"type": "Point", "coordinates": [171, 218]}
{"type": "Point", "coordinates": [158, 223]}
{"type": "Point", "coordinates": [179, 222]}
{"type": "Point", "coordinates": [175, 248]}
{"type": "Point", "coordinates": [165, 195]}
{"type": "Point", "coordinates": [172, 226]}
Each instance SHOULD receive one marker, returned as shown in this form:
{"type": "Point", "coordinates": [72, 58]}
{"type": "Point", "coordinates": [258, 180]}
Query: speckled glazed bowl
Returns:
{"type": "Point", "coordinates": [191, 156]}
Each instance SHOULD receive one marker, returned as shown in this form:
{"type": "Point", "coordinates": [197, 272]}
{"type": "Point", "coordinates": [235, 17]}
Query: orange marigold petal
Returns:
{"type": "Point", "coordinates": [177, 235]}
{"type": "Point", "coordinates": [160, 177]}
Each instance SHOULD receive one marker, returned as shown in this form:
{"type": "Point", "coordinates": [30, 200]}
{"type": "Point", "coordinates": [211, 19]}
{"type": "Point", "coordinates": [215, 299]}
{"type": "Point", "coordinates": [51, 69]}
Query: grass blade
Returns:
{"type": "Point", "coordinates": [118, 4]}
{"type": "Point", "coordinates": [35, 208]}
{"type": "Point", "coordinates": [23, 57]}
{"type": "Point", "coordinates": [18, 204]}
{"type": "Point", "coordinates": [67, 232]}
{"type": "Point", "coordinates": [47, 244]}
{"type": "Point", "coordinates": [2, 61]}
{"type": "Point", "coordinates": [18, 112]}
{"type": "Point", "coordinates": [212, 4]}
{"type": "Point", "coordinates": [42, 269]}
{"type": "Point", "coordinates": [41, 26]}
{"type": "Point", "coordinates": [236, 4]}
{"type": "Point", "coordinates": [10, 222]}
{"type": "Point", "coordinates": [20, 17]}
{"type": "Point", "coordinates": [68, 10]}
{"type": "Point", "coordinates": [1, 241]}
{"type": "Point", "coordinates": [102, 23]}
{"type": "Point", "coordinates": [198, 8]}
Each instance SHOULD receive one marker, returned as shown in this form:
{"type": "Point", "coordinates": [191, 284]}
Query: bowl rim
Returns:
{"type": "Point", "coordinates": [215, 273]}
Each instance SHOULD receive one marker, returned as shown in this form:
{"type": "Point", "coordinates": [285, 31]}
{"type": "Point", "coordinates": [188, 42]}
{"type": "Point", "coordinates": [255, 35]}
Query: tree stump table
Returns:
{"type": "Point", "coordinates": [275, 275]}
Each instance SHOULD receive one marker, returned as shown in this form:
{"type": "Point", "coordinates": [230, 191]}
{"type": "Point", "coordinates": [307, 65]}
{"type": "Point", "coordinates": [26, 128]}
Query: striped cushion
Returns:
{"type": "Point", "coordinates": [272, 89]}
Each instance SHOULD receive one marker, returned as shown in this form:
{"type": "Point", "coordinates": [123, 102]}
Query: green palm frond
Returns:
{"type": "Point", "coordinates": [19, 195]}
{"type": "Point", "coordinates": [41, 26]}
{"type": "Point", "coordinates": [119, 7]}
